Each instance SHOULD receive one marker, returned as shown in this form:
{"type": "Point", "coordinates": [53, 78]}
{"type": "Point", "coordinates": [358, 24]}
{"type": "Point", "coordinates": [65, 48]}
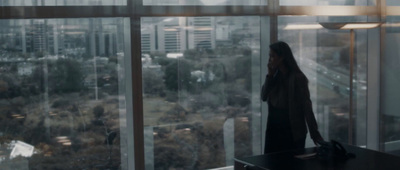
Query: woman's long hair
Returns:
{"type": "Point", "coordinates": [282, 49]}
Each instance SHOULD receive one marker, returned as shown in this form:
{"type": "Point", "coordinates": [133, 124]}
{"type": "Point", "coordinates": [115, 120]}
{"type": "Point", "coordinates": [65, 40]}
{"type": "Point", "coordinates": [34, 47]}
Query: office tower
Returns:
{"type": "Point", "coordinates": [202, 32]}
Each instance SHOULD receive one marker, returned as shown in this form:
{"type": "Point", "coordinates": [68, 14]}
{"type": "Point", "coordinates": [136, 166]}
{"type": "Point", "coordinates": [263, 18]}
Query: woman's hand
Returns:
{"type": "Point", "coordinates": [271, 69]}
{"type": "Point", "coordinates": [273, 64]}
{"type": "Point", "coordinates": [318, 140]}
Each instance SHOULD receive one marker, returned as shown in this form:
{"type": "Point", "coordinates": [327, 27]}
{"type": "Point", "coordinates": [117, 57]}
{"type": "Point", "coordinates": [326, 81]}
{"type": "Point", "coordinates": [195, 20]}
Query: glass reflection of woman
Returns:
{"type": "Point", "coordinates": [289, 105]}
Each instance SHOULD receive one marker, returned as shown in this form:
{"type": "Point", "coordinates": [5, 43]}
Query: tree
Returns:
{"type": "Point", "coordinates": [65, 75]}
{"type": "Point", "coordinates": [98, 111]}
{"type": "Point", "coordinates": [153, 82]}
{"type": "Point", "coordinates": [177, 76]}
{"type": "Point", "coordinates": [164, 61]}
{"type": "Point", "coordinates": [9, 87]}
{"type": "Point", "coordinates": [191, 54]}
{"type": "Point", "coordinates": [243, 67]}
{"type": "Point", "coordinates": [215, 71]}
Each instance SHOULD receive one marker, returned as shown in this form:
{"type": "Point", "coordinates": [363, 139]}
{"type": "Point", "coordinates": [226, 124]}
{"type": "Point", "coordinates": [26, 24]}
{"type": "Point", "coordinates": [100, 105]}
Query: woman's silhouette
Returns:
{"type": "Point", "coordinates": [286, 91]}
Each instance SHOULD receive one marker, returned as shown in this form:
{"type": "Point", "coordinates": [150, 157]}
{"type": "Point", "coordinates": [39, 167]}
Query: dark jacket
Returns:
{"type": "Point", "coordinates": [299, 103]}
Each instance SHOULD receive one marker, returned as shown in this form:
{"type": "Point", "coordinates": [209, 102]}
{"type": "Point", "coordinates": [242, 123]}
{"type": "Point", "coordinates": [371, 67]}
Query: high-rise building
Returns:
{"type": "Point", "coordinates": [178, 34]}
{"type": "Point", "coordinates": [40, 37]}
{"type": "Point", "coordinates": [202, 32]}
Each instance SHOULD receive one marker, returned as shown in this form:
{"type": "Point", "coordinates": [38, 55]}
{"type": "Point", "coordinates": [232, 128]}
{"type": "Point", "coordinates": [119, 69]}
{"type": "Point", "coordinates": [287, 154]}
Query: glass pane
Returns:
{"type": "Point", "coordinates": [62, 94]}
{"type": "Point", "coordinates": [327, 2]}
{"type": "Point", "coordinates": [204, 2]}
{"type": "Point", "coordinates": [323, 55]}
{"type": "Point", "coordinates": [392, 3]}
{"type": "Point", "coordinates": [201, 88]}
{"type": "Point", "coordinates": [390, 95]}
{"type": "Point", "coordinates": [60, 2]}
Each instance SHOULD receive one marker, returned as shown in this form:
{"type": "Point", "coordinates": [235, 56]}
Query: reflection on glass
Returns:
{"type": "Point", "coordinates": [323, 55]}
{"type": "Point", "coordinates": [390, 82]}
{"type": "Point", "coordinates": [326, 2]}
{"type": "Point", "coordinates": [61, 99]}
{"type": "Point", "coordinates": [60, 2]}
{"type": "Point", "coordinates": [204, 2]}
{"type": "Point", "coordinates": [201, 91]}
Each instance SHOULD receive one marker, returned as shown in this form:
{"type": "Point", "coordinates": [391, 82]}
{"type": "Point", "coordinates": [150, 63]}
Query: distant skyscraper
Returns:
{"type": "Point", "coordinates": [102, 37]}
{"type": "Point", "coordinates": [146, 42]}
{"type": "Point", "coordinates": [172, 35]}
{"type": "Point", "coordinates": [149, 35]}
{"type": "Point", "coordinates": [177, 34]}
{"type": "Point", "coordinates": [201, 34]}
{"type": "Point", "coordinates": [40, 37]}
{"type": "Point", "coordinates": [163, 35]}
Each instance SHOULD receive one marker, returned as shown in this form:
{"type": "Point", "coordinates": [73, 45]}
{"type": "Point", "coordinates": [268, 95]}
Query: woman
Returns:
{"type": "Point", "coordinates": [286, 91]}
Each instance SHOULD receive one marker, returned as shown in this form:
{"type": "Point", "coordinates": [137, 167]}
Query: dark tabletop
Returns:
{"type": "Point", "coordinates": [365, 159]}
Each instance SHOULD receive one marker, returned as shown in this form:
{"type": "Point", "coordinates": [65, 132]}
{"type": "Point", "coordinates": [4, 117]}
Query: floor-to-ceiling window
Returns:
{"type": "Point", "coordinates": [390, 82]}
{"type": "Point", "coordinates": [201, 83]}
{"type": "Point", "coordinates": [63, 103]}
{"type": "Point", "coordinates": [174, 84]}
{"type": "Point", "coordinates": [323, 55]}
{"type": "Point", "coordinates": [390, 117]}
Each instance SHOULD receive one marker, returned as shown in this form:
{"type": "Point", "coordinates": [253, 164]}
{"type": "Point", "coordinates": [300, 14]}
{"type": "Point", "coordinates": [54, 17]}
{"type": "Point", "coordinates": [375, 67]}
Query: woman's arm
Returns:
{"type": "Point", "coordinates": [266, 88]}
{"type": "Point", "coordinates": [306, 105]}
